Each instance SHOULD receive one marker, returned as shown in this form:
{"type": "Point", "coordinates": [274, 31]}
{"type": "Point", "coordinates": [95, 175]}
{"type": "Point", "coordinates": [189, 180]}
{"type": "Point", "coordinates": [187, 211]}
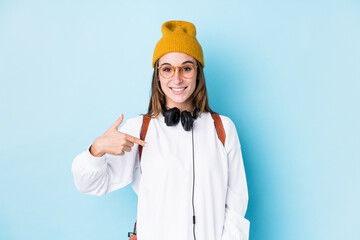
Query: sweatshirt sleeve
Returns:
{"type": "Point", "coordinates": [101, 175]}
{"type": "Point", "coordinates": [236, 226]}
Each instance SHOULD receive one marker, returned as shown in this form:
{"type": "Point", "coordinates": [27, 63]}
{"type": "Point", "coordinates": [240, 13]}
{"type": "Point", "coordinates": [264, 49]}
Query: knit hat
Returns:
{"type": "Point", "coordinates": [178, 36]}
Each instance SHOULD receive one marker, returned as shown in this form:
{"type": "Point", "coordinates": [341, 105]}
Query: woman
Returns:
{"type": "Point", "coordinates": [189, 184]}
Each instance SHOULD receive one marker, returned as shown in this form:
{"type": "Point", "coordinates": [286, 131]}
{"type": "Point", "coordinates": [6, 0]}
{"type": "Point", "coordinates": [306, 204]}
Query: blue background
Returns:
{"type": "Point", "coordinates": [286, 72]}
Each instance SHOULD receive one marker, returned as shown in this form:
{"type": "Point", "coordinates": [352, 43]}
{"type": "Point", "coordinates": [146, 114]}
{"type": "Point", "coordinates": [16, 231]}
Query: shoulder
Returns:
{"type": "Point", "coordinates": [132, 125]}
{"type": "Point", "coordinates": [134, 121]}
{"type": "Point", "coordinates": [227, 123]}
{"type": "Point", "coordinates": [230, 132]}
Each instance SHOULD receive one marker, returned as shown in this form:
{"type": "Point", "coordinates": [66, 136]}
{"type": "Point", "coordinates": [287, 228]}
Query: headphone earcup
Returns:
{"type": "Point", "coordinates": [171, 116]}
{"type": "Point", "coordinates": [196, 113]}
{"type": "Point", "coordinates": [187, 120]}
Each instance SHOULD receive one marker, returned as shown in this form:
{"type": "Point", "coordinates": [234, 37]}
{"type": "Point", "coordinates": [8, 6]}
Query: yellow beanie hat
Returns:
{"type": "Point", "coordinates": [178, 36]}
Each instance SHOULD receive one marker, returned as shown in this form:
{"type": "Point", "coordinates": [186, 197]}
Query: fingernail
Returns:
{"type": "Point", "coordinates": [145, 144]}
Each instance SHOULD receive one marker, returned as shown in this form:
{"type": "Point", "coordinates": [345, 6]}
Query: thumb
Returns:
{"type": "Point", "coordinates": [118, 122]}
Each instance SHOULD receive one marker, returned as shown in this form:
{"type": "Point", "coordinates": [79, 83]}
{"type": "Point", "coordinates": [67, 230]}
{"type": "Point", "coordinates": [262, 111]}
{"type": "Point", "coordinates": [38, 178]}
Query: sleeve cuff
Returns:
{"type": "Point", "coordinates": [96, 162]}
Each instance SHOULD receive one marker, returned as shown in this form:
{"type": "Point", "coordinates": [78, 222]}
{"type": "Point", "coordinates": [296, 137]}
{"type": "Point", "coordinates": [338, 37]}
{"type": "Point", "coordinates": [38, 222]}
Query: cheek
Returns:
{"type": "Point", "coordinates": [193, 83]}
{"type": "Point", "coordinates": [163, 84]}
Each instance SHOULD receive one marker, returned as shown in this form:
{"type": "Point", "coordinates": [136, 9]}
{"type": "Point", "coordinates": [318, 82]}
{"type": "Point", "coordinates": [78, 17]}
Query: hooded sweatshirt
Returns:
{"type": "Point", "coordinates": [181, 174]}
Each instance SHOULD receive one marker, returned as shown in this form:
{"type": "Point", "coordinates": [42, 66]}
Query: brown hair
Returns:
{"type": "Point", "coordinates": [199, 96]}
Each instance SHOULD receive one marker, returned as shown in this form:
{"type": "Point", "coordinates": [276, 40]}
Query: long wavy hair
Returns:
{"type": "Point", "coordinates": [157, 99]}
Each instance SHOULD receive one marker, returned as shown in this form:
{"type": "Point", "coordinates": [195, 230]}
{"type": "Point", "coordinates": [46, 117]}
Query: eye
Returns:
{"type": "Point", "coordinates": [187, 68]}
{"type": "Point", "coordinates": [166, 69]}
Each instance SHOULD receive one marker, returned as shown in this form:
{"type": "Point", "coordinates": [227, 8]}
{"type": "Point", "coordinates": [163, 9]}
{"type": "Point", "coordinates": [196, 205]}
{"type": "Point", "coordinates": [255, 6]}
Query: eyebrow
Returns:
{"type": "Point", "coordinates": [181, 64]}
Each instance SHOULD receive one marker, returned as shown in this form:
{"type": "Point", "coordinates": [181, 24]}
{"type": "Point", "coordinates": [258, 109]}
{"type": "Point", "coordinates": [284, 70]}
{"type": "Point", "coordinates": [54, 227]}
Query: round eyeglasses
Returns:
{"type": "Point", "coordinates": [168, 71]}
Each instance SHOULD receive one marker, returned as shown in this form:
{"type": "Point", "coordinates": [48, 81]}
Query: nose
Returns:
{"type": "Point", "coordinates": [177, 76]}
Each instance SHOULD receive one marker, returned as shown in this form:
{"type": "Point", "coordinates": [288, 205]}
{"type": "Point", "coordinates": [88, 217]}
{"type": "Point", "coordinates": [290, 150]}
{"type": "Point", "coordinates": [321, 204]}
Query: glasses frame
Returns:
{"type": "Point", "coordinates": [176, 67]}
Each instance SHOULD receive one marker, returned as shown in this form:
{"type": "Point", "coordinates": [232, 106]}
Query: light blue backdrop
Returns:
{"type": "Point", "coordinates": [286, 72]}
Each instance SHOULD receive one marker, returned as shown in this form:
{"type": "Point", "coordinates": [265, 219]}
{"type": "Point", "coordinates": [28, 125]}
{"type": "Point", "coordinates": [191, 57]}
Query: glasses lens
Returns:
{"type": "Point", "coordinates": [166, 71]}
{"type": "Point", "coordinates": [187, 71]}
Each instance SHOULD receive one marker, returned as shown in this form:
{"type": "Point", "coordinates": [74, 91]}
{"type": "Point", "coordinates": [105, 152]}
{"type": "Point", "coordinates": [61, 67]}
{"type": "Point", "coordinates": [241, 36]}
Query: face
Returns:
{"type": "Point", "coordinates": [180, 98]}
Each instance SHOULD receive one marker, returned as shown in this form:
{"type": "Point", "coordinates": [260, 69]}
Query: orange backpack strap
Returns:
{"type": "Point", "coordinates": [144, 128]}
{"type": "Point", "coordinates": [219, 127]}
{"type": "Point", "coordinates": [132, 235]}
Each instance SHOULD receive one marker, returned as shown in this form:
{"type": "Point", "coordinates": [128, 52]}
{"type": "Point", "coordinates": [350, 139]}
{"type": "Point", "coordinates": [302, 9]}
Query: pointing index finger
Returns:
{"type": "Point", "coordinates": [136, 140]}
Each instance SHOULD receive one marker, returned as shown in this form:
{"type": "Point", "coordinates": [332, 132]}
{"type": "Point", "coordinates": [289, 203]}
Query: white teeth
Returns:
{"type": "Point", "coordinates": [178, 89]}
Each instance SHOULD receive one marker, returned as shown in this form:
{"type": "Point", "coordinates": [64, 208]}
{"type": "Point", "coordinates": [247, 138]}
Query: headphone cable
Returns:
{"type": "Point", "coordinates": [192, 133]}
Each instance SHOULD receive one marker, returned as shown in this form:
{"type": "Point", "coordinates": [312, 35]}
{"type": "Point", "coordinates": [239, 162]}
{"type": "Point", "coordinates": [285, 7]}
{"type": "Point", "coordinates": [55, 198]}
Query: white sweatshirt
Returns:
{"type": "Point", "coordinates": [165, 184]}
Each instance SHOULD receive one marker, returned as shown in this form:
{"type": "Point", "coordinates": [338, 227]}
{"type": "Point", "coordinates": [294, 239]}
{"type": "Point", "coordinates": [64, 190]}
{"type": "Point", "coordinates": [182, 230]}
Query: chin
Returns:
{"type": "Point", "coordinates": [178, 101]}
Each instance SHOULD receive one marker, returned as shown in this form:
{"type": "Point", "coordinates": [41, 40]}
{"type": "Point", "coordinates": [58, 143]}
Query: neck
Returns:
{"type": "Point", "coordinates": [182, 107]}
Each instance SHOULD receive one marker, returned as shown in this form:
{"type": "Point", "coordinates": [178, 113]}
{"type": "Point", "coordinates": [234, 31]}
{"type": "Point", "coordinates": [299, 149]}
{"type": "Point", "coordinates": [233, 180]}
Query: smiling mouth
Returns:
{"type": "Point", "coordinates": [178, 89]}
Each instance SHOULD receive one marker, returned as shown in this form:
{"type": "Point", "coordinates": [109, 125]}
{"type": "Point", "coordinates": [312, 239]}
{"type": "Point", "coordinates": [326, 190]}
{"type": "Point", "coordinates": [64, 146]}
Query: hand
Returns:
{"type": "Point", "coordinates": [114, 142]}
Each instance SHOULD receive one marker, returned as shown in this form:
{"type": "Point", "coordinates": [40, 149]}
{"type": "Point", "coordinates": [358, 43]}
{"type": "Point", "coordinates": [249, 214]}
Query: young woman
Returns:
{"type": "Point", "coordinates": [190, 184]}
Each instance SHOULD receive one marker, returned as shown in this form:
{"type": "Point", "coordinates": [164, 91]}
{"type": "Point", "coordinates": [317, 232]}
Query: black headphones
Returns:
{"type": "Point", "coordinates": [172, 117]}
